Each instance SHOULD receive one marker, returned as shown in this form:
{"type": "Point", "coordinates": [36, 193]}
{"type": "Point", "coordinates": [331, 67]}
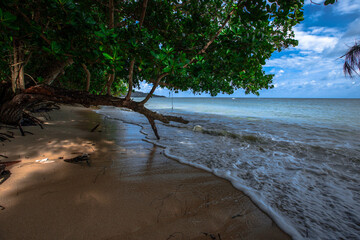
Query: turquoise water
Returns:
{"type": "Point", "coordinates": [298, 159]}
{"type": "Point", "coordinates": [344, 112]}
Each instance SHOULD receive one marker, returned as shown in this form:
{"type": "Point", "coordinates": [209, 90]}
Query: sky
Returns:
{"type": "Point", "coordinates": [313, 69]}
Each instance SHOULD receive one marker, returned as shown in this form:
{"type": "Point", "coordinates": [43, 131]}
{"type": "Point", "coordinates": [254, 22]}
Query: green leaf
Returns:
{"type": "Point", "coordinates": [167, 69]}
{"type": "Point", "coordinates": [8, 17]}
{"type": "Point", "coordinates": [107, 56]}
{"type": "Point", "coordinates": [55, 47]}
{"type": "Point", "coordinates": [327, 2]}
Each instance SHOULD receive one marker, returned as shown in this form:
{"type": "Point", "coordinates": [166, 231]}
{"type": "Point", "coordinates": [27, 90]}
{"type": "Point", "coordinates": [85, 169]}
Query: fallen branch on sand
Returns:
{"type": "Point", "coordinates": [11, 112]}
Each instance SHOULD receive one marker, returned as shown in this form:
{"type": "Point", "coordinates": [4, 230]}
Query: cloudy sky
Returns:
{"type": "Point", "coordinates": [314, 68]}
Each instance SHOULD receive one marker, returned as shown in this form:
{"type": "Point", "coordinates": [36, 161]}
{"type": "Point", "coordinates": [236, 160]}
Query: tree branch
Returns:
{"type": "Point", "coordinates": [131, 74]}
{"type": "Point", "coordinates": [143, 12]}
{"type": "Point", "coordinates": [153, 88]}
{"type": "Point", "coordinates": [132, 63]}
{"type": "Point", "coordinates": [59, 95]}
{"type": "Point", "coordinates": [29, 22]}
{"type": "Point", "coordinates": [214, 37]}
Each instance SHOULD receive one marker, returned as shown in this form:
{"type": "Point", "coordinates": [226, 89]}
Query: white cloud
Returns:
{"type": "Point", "coordinates": [341, 7]}
{"type": "Point", "coordinates": [353, 29]}
{"type": "Point", "coordinates": [145, 87]}
{"type": "Point", "coordinates": [347, 7]}
{"type": "Point", "coordinates": [324, 30]}
{"type": "Point", "coordinates": [308, 41]}
{"type": "Point", "coordinates": [346, 40]}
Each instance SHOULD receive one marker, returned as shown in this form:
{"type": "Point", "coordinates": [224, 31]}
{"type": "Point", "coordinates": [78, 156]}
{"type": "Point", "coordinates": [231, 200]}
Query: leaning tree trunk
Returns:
{"type": "Point", "coordinates": [57, 68]}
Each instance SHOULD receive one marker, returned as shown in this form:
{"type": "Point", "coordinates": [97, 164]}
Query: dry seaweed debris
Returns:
{"type": "Point", "coordinates": [79, 159]}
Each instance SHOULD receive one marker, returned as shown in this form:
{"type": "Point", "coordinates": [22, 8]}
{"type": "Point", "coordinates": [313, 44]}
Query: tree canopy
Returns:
{"type": "Point", "coordinates": [110, 46]}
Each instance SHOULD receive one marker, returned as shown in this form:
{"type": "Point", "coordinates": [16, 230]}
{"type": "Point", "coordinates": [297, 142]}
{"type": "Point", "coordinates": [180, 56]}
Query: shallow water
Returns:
{"type": "Point", "coordinates": [298, 159]}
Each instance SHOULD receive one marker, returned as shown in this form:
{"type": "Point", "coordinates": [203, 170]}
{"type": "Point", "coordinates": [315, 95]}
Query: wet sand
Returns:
{"type": "Point", "coordinates": [129, 191]}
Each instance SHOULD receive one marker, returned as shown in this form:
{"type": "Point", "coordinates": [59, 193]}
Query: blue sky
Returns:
{"type": "Point", "coordinates": [313, 69]}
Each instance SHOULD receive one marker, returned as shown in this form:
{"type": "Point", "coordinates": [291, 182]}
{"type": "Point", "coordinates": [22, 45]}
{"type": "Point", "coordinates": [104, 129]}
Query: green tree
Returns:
{"type": "Point", "coordinates": [214, 46]}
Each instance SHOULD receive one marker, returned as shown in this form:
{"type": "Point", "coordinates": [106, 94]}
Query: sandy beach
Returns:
{"type": "Point", "coordinates": [128, 190]}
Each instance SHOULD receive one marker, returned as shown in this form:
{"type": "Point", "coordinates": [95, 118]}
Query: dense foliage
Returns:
{"type": "Point", "coordinates": [105, 36]}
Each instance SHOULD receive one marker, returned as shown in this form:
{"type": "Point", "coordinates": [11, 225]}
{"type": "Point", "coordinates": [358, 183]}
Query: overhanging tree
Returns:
{"type": "Point", "coordinates": [204, 46]}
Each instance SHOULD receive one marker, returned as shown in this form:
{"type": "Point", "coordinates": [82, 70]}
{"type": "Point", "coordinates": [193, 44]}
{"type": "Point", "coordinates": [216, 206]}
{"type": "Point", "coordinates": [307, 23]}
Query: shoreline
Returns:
{"type": "Point", "coordinates": [130, 191]}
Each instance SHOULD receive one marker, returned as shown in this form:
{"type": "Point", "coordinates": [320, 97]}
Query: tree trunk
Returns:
{"type": "Point", "coordinates": [17, 66]}
{"type": "Point", "coordinates": [11, 112]}
{"type": "Point", "coordinates": [56, 69]}
{"type": "Point", "coordinates": [14, 67]}
{"type": "Point", "coordinates": [110, 82]}
{"type": "Point", "coordinates": [111, 26]}
{"type": "Point", "coordinates": [11, 108]}
{"type": "Point", "coordinates": [88, 77]}
{"type": "Point", "coordinates": [132, 63]}
{"type": "Point", "coordinates": [21, 58]}
{"type": "Point", "coordinates": [153, 88]}
{"type": "Point", "coordinates": [131, 74]}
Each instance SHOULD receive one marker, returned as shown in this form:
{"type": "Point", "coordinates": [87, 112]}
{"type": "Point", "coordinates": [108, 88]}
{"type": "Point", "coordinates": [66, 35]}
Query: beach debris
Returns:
{"type": "Point", "coordinates": [237, 215]}
{"type": "Point", "coordinates": [8, 135]}
{"type": "Point", "coordinates": [5, 137]}
{"type": "Point", "coordinates": [79, 159]}
{"type": "Point", "coordinates": [4, 174]}
{"type": "Point", "coordinates": [173, 235]}
{"type": "Point", "coordinates": [77, 153]}
{"type": "Point", "coordinates": [94, 128]}
{"type": "Point", "coordinates": [22, 130]}
{"type": "Point", "coordinates": [212, 236]}
{"type": "Point", "coordinates": [198, 128]}
{"type": "Point", "coordinates": [2, 167]}
{"type": "Point", "coordinates": [9, 163]}
{"type": "Point", "coordinates": [45, 106]}
{"type": "Point", "coordinates": [45, 160]}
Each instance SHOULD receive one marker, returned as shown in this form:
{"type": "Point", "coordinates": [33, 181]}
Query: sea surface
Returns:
{"type": "Point", "coordinates": [297, 159]}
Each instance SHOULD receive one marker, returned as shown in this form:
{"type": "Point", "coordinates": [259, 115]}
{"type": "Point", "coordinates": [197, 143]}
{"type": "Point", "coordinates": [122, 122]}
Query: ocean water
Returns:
{"type": "Point", "coordinates": [298, 159]}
